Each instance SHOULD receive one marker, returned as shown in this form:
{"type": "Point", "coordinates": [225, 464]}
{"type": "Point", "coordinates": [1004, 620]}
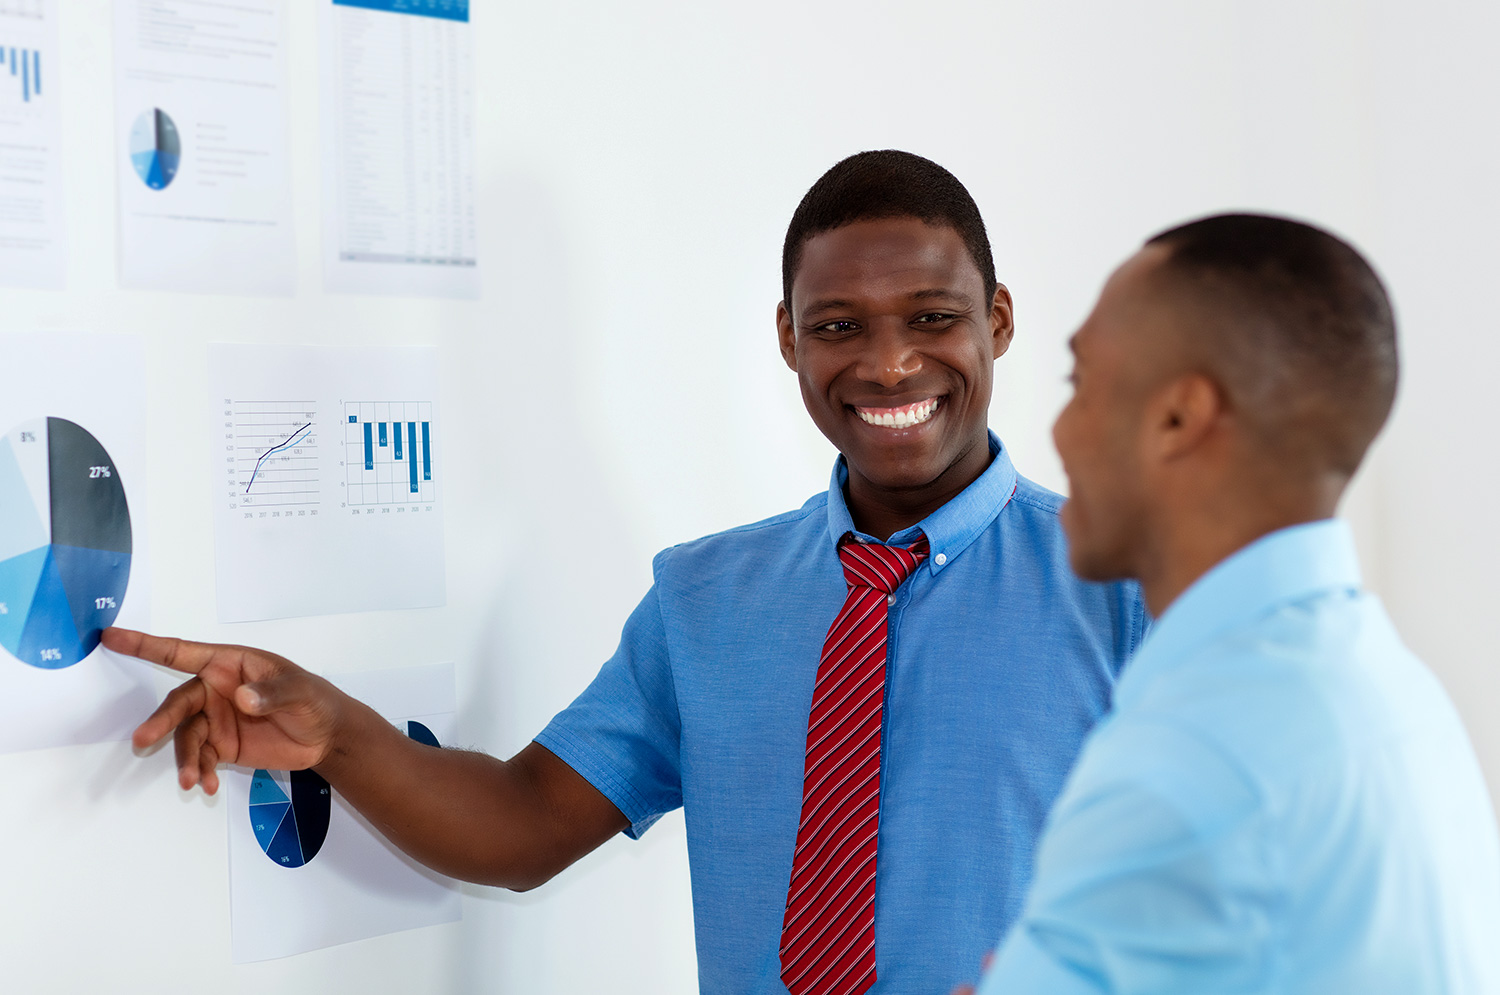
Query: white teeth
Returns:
{"type": "Point", "coordinates": [914, 414]}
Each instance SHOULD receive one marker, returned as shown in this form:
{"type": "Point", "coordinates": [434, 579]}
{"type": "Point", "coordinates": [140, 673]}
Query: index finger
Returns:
{"type": "Point", "coordinates": [178, 654]}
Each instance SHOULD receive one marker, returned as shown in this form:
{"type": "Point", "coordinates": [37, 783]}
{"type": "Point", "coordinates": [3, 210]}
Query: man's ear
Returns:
{"type": "Point", "coordinates": [1185, 414]}
{"type": "Point", "coordinates": [786, 335]}
{"type": "Point", "coordinates": [1002, 319]}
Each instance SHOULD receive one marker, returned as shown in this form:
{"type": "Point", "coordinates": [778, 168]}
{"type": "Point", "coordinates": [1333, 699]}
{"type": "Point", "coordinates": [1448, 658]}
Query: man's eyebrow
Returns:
{"type": "Point", "coordinates": [830, 304]}
{"type": "Point", "coordinates": [939, 293]}
{"type": "Point", "coordinates": [954, 297]}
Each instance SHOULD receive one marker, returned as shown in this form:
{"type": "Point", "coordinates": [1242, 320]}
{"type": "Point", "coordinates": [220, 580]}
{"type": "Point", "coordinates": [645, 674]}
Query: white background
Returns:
{"type": "Point", "coordinates": [617, 387]}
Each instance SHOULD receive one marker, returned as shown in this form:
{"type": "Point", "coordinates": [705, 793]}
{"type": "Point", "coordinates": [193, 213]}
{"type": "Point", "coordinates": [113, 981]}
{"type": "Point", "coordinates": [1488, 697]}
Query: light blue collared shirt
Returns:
{"type": "Point", "coordinates": [999, 661]}
{"type": "Point", "coordinates": [1283, 799]}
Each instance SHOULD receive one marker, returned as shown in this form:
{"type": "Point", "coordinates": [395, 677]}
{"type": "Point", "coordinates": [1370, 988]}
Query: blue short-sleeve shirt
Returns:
{"type": "Point", "coordinates": [1282, 801]}
{"type": "Point", "coordinates": [999, 662]}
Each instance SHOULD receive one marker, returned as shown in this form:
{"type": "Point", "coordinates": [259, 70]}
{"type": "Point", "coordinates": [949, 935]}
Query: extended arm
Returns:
{"type": "Point", "coordinates": [512, 823]}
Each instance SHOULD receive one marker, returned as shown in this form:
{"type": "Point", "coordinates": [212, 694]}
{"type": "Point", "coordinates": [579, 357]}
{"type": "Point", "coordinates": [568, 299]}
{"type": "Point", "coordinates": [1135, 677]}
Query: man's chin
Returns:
{"type": "Point", "coordinates": [898, 477]}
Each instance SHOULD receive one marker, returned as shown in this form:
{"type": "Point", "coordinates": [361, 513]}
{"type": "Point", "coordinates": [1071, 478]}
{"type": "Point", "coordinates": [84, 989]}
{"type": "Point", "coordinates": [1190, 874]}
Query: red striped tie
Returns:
{"type": "Point", "coordinates": [828, 935]}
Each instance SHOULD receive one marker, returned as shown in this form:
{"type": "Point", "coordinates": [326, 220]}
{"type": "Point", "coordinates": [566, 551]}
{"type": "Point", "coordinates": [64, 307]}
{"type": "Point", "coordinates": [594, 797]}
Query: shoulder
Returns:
{"type": "Point", "coordinates": [1034, 499]}
{"type": "Point", "coordinates": [1154, 760]}
{"type": "Point", "coordinates": [1327, 673]}
{"type": "Point", "coordinates": [752, 544]}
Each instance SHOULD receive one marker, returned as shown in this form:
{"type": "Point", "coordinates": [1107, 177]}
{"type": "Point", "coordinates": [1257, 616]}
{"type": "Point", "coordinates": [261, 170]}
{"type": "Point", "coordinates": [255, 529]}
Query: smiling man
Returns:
{"type": "Point", "coordinates": [1283, 799]}
{"type": "Point", "coordinates": [865, 706]}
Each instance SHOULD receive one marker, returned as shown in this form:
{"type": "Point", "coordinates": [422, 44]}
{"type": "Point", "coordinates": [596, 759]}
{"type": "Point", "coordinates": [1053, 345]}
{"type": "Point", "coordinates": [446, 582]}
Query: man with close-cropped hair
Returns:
{"type": "Point", "coordinates": [1283, 799]}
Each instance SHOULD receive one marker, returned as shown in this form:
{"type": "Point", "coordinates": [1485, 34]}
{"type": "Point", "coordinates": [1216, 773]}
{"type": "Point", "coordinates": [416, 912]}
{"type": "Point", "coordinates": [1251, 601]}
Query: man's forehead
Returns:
{"type": "Point", "coordinates": [1138, 288]}
{"type": "Point", "coordinates": [884, 251]}
{"type": "Point", "coordinates": [1141, 317]}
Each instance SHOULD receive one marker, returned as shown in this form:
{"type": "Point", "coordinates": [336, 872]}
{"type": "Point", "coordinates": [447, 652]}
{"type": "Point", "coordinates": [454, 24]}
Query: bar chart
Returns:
{"type": "Point", "coordinates": [388, 453]}
{"type": "Point", "coordinates": [33, 244]}
{"type": "Point", "coordinates": [24, 66]}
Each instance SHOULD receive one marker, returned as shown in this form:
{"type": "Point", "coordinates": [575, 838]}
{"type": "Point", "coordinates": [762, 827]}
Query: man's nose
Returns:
{"type": "Point", "coordinates": [890, 355]}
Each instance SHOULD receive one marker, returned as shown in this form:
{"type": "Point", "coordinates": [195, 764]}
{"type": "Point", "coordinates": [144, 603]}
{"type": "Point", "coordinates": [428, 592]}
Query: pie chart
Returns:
{"type": "Point", "coordinates": [64, 543]}
{"type": "Point", "coordinates": [155, 148]}
{"type": "Point", "coordinates": [422, 734]}
{"type": "Point", "coordinates": [289, 812]}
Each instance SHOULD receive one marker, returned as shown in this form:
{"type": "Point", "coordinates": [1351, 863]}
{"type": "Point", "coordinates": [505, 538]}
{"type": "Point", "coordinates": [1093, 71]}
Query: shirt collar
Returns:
{"type": "Point", "coordinates": [951, 528]}
{"type": "Point", "coordinates": [1284, 566]}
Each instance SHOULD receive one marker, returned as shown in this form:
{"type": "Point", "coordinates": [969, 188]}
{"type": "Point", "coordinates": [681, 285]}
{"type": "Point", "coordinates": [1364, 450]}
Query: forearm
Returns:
{"type": "Point", "coordinates": [512, 823]}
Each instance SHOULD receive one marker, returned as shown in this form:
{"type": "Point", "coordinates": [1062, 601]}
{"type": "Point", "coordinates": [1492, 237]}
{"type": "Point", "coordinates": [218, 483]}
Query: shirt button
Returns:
{"type": "Point", "coordinates": [890, 599]}
{"type": "Point", "coordinates": [940, 559]}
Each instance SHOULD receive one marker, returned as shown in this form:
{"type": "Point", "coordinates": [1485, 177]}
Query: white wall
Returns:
{"type": "Point", "coordinates": [639, 163]}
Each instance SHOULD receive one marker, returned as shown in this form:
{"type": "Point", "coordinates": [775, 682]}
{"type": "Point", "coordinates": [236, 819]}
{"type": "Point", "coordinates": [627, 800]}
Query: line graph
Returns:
{"type": "Point", "coordinates": [301, 434]}
{"type": "Point", "coordinates": [271, 456]}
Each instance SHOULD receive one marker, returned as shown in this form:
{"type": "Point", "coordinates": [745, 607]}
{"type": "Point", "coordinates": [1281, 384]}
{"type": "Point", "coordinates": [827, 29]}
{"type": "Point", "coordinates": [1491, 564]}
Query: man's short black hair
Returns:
{"type": "Point", "coordinates": [1305, 331]}
{"type": "Point", "coordinates": [886, 184]}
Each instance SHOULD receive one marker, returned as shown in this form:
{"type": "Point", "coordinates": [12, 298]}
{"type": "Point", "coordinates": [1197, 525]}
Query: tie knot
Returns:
{"type": "Point", "coordinates": [878, 566]}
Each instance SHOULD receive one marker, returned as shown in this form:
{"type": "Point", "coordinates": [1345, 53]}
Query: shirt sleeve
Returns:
{"type": "Point", "coordinates": [623, 733]}
{"type": "Point", "coordinates": [1152, 876]}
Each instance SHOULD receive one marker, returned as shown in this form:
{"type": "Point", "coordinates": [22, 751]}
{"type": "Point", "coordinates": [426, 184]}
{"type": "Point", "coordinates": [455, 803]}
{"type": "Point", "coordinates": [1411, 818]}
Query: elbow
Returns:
{"type": "Point", "coordinates": [516, 879]}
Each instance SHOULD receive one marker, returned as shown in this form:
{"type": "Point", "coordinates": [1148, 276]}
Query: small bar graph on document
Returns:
{"type": "Point", "coordinates": [25, 68]}
{"type": "Point", "coordinates": [388, 453]}
{"type": "Point", "coordinates": [32, 249]}
{"type": "Point", "coordinates": [271, 455]}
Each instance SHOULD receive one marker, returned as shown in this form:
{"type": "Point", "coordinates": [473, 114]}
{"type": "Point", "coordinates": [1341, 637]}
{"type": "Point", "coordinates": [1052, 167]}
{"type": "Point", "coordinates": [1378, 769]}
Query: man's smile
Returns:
{"type": "Point", "coordinates": [903, 417]}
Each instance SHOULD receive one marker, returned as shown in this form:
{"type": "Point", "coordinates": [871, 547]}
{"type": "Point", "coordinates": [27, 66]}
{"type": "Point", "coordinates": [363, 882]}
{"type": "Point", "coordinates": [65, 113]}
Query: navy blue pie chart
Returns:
{"type": "Point", "coordinates": [290, 810]}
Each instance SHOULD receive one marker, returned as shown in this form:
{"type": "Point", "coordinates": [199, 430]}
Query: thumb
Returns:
{"type": "Point", "coordinates": [260, 697]}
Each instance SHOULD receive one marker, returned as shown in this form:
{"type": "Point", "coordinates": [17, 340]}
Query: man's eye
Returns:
{"type": "Point", "coordinates": [837, 327]}
{"type": "Point", "coordinates": [933, 318]}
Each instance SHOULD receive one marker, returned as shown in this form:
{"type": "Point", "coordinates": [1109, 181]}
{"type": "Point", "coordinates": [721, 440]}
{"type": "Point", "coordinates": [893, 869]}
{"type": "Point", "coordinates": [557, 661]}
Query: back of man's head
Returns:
{"type": "Point", "coordinates": [869, 186]}
{"type": "Point", "coordinates": [1296, 326]}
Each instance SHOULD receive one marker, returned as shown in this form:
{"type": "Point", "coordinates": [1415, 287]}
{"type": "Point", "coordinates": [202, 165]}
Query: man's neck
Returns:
{"type": "Point", "coordinates": [1194, 544]}
{"type": "Point", "coordinates": [882, 512]}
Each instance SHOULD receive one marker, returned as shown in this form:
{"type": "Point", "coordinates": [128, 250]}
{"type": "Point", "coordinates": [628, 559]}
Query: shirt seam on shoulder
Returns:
{"type": "Point", "coordinates": [1032, 502]}
{"type": "Point", "coordinates": [785, 518]}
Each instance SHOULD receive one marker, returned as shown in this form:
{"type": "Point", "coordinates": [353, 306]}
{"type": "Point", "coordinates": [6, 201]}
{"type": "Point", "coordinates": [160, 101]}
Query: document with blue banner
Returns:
{"type": "Point", "coordinates": [398, 148]}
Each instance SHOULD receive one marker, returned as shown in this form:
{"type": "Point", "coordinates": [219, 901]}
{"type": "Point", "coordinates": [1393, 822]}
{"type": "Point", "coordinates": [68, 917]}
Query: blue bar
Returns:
{"type": "Point", "coordinates": [36, 73]}
{"type": "Point", "coordinates": [25, 78]}
{"type": "Point", "coordinates": [426, 453]}
{"type": "Point", "coordinates": [382, 435]}
{"type": "Point", "coordinates": [412, 450]}
{"type": "Point", "coordinates": [448, 10]}
{"type": "Point", "coordinates": [396, 428]}
{"type": "Point", "coordinates": [12, 62]}
{"type": "Point", "coordinates": [369, 449]}
{"type": "Point", "coordinates": [353, 419]}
